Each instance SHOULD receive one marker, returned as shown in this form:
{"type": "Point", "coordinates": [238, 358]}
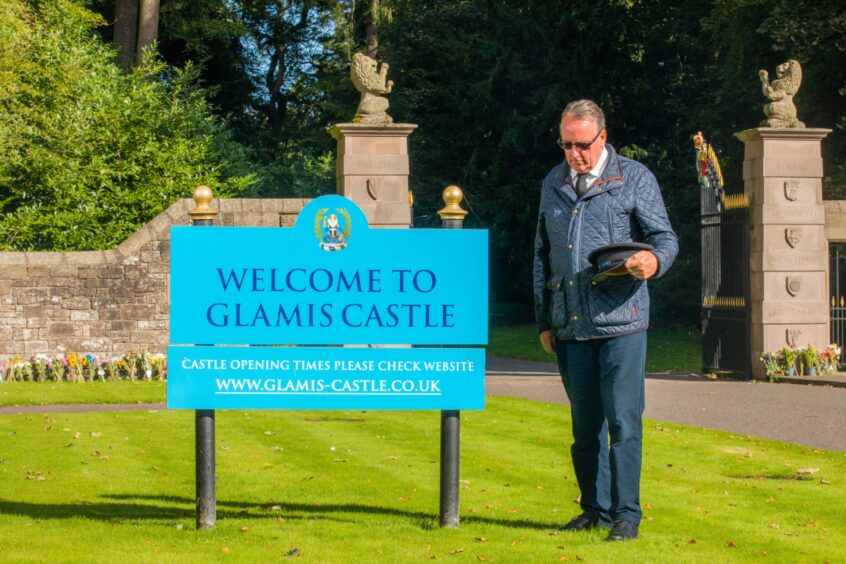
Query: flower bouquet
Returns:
{"type": "Point", "coordinates": [789, 355]}
{"type": "Point", "coordinates": [773, 365]}
{"type": "Point", "coordinates": [810, 360]}
{"type": "Point", "coordinates": [829, 358]}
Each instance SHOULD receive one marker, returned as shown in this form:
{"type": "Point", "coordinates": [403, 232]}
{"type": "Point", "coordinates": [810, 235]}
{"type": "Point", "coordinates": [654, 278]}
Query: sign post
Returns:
{"type": "Point", "coordinates": [452, 217]}
{"type": "Point", "coordinates": [203, 215]}
{"type": "Point", "coordinates": [287, 301]}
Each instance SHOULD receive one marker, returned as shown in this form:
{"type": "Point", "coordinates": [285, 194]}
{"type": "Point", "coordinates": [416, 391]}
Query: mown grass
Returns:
{"type": "Point", "coordinates": [363, 487]}
{"type": "Point", "coordinates": [668, 350]}
{"type": "Point", "coordinates": [47, 393]}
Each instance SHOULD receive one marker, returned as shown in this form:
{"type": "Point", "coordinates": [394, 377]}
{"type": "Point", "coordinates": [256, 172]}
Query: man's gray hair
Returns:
{"type": "Point", "coordinates": [587, 110]}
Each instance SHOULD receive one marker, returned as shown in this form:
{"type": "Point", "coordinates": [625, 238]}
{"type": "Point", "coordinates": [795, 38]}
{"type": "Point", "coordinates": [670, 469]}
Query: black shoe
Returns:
{"type": "Point", "coordinates": [583, 522]}
{"type": "Point", "coordinates": [622, 530]}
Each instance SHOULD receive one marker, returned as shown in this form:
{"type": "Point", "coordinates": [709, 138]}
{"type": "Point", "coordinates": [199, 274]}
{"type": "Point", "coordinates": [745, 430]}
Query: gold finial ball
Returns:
{"type": "Point", "coordinates": [453, 195]}
{"type": "Point", "coordinates": [203, 195]}
{"type": "Point", "coordinates": [203, 198]}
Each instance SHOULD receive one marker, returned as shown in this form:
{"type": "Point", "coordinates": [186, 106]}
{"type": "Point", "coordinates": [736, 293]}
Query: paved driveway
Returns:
{"type": "Point", "coordinates": [795, 413]}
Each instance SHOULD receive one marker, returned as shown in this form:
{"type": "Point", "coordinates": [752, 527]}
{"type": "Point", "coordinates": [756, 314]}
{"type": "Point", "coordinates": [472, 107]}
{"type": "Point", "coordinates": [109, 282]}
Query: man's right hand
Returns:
{"type": "Point", "coordinates": [547, 340]}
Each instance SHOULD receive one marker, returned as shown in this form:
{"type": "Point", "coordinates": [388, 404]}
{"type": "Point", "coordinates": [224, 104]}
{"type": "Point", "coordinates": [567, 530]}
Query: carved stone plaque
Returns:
{"type": "Point", "coordinates": [791, 190]}
{"type": "Point", "coordinates": [793, 336]}
{"type": "Point", "coordinates": [793, 235]}
{"type": "Point", "coordinates": [794, 284]}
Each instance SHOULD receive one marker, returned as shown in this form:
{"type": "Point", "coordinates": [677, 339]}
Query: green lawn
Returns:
{"type": "Point", "coordinates": [363, 487]}
{"type": "Point", "coordinates": [46, 393]}
{"type": "Point", "coordinates": [668, 350]}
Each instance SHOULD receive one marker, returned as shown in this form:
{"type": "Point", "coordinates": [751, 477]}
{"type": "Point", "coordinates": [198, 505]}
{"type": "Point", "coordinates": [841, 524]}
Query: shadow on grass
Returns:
{"type": "Point", "coordinates": [786, 477]}
{"type": "Point", "coordinates": [112, 512]}
{"type": "Point", "coordinates": [687, 377]}
{"type": "Point", "coordinates": [150, 507]}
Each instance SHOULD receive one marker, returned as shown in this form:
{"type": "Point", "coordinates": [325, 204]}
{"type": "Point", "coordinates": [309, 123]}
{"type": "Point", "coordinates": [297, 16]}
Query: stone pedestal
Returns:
{"type": "Point", "coordinates": [372, 170]}
{"type": "Point", "coordinates": [782, 175]}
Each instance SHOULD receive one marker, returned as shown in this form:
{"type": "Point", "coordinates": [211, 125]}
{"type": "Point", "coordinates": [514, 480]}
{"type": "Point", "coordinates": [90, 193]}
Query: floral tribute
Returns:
{"type": "Point", "coordinates": [830, 357]}
{"type": "Point", "coordinates": [84, 368]}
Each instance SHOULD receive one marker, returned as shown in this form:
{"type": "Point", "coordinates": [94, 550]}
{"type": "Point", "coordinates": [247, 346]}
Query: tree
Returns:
{"type": "Point", "coordinates": [371, 22]}
{"type": "Point", "coordinates": [486, 81]}
{"type": "Point", "coordinates": [92, 152]}
{"type": "Point", "coordinates": [369, 14]}
{"type": "Point", "coordinates": [136, 26]}
{"type": "Point", "coordinates": [210, 35]}
{"type": "Point", "coordinates": [126, 31]}
{"type": "Point", "coordinates": [259, 60]}
{"type": "Point", "coordinates": [284, 34]}
{"type": "Point", "coordinates": [148, 26]}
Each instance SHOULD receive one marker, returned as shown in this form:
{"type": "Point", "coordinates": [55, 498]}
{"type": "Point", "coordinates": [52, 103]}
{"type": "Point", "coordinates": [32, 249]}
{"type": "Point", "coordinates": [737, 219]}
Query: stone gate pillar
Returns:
{"type": "Point", "coordinates": [372, 170]}
{"type": "Point", "coordinates": [782, 175]}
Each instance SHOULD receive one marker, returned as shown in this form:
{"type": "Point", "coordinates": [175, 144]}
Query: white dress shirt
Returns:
{"type": "Point", "coordinates": [594, 173]}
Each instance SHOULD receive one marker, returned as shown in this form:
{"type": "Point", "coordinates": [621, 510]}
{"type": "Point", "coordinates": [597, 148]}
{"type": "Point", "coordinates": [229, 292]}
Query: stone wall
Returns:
{"type": "Point", "coordinates": [835, 232]}
{"type": "Point", "coordinates": [109, 302]}
{"type": "Point", "coordinates": [835, 221]}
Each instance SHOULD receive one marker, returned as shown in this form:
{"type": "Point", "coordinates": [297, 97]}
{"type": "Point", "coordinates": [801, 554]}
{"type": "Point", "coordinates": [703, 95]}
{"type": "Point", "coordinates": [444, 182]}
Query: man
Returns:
{"type": "Point", "coordinates": [598, 329]}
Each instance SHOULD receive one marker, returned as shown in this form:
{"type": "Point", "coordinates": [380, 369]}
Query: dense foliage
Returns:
{"type": "Point", "coordinates": [485, 80]}
{"type": "Point", "coordinates": [91, 153]}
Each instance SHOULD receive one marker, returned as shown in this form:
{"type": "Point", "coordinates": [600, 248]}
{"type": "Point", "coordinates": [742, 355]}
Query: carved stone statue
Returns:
{"type": "Point", "coordinates": [370, 79]}
{"type": "Point", "coordinates": [780, 111]}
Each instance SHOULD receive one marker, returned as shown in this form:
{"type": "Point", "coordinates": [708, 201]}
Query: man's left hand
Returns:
{"type": "Point", "coordinates": [642, 265]}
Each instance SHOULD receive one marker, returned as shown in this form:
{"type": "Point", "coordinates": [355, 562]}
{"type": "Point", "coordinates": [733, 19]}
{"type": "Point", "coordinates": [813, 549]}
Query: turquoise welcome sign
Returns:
{"type": "Point", "coordinates": [330, 280]}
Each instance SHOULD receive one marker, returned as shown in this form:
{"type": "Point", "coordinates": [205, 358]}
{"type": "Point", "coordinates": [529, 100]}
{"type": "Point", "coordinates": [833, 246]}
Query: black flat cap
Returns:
{"type": "Point", "coordinates": [610, 260]}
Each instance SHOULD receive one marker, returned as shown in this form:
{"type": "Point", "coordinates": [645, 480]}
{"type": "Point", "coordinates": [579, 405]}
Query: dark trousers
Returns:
{"type": "Point", "coordinates": [603, 379]}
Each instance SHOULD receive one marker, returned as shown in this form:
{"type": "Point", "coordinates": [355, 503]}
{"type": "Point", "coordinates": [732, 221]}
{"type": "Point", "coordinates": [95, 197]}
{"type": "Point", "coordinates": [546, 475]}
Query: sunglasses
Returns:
{"type": "Point", "coordinates": [580, 145]}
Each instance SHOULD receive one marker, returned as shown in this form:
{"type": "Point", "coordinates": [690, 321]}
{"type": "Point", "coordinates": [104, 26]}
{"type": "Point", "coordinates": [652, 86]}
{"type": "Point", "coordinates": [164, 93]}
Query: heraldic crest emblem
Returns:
{"type": "Point", "coordinates": [794, 284]}
{"type": "Point", "coordinates": [793, 236]}
{"type": "Point", "coordinates": [332, 229]}
{"type": "Point", "coordinates": [791, 190]}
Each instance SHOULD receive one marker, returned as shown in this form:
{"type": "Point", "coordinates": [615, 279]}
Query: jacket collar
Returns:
{"type": "Point", "coordinates": [611, 176]}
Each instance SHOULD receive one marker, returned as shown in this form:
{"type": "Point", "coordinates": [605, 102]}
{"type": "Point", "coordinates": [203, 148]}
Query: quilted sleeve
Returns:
{"type": "Point", "coordinates": [654, 223]}
{"type": "Point", "coordinates": [541, 273]}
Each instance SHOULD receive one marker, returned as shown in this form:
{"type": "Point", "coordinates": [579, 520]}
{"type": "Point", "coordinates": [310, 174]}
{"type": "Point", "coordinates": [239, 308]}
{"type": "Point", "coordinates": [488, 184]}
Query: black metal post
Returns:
{"type": "Point", "coordinates": [204, 448]}
{"type": "Point", "coordinates": [450, 437]}
{"type": "Point", "coordinates": [203, 215]}
{"type": "Point", "coordinates": [452, 217]}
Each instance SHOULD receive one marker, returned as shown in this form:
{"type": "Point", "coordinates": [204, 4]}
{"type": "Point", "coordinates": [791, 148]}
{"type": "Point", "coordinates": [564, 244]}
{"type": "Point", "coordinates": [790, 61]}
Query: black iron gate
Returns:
{"type": "Point", "coordinates": [837, 290]}
{"type": "Point", "coordinates": [725, 284]}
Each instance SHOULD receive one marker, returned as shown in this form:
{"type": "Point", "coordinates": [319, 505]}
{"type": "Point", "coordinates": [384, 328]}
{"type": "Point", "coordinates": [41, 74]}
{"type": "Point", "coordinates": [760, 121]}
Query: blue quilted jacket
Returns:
{"type": "Point", "coordinates": [623, 205]}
